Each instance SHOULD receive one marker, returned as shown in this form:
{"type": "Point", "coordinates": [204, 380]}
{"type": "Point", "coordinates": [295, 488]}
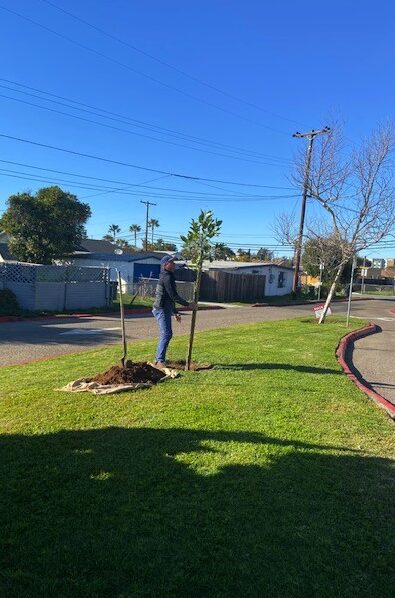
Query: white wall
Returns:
{"type": "Point", "coordinates": [271, 273]}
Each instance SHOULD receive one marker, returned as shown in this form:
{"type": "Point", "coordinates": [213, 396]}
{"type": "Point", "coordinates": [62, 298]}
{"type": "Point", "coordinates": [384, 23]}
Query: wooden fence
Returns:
{"type": "Point", "coordinates": [227, 287]}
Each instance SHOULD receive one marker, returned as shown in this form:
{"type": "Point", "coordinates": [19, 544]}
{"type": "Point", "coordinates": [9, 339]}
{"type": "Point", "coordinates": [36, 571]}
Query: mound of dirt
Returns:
{"type": "Point", "coordinates": [195, 367]}
{"type": "Point", "coordinates": [131, 374]}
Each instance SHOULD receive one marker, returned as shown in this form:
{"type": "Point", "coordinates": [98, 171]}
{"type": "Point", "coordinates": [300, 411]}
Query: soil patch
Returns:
{"type": "Point", "coordinates": [195, 367]}
{"type": "Point", "coordinates": [132, 373]}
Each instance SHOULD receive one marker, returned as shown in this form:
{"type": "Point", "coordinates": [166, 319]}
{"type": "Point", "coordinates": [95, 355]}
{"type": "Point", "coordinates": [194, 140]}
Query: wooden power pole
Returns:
{"type": "Point", "coordinates": [311, 135]}
{"type": "Point", "coordinates": [148, 204]}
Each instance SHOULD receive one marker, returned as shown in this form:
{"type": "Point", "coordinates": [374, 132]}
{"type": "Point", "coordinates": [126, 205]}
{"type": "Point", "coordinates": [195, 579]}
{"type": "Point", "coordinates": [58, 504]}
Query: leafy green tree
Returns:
{"type": "Point", "coordinates": [134, 229]}
{"type": "Point", "coordinates": [123, 243]}
{"type": "Point", "coordinates": [44, 226]}
{"type": "Point", "coordinates": [223, 252]}
{"type": "Point", "coordinates": [153, 224]}
{"type": "Point", "coordinates": [265, 255]}
{"type": "Point", "coordinates": [243, 256]}
{"type": "Point", "coordinates": [199, 245]}
{"type": "Point", "coordinates": [113, 230]}
{"type": "Point", "coordinates": [108, 238]}
{"type": "Point", "coordinates": [161, 245]}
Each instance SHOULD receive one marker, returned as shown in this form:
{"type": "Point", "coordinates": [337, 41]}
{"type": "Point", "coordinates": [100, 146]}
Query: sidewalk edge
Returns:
{"type": "Point", "coordinates": [341, 357]}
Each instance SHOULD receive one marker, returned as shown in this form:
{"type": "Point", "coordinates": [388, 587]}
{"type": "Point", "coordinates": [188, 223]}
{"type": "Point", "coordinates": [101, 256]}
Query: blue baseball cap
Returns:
{"type": "Point", "coordinates": [166, 259]}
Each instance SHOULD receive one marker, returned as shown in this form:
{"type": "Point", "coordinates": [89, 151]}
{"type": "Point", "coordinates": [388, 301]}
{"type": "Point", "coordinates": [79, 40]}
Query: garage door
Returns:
{"type": "Point", "coordinates": [145, 271]}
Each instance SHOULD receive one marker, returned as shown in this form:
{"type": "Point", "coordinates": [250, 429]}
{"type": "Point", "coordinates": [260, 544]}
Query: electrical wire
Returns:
{"type": "Point", "coordinates": [113, 127]}
{"type": "Point", "coordinates": [164, 63]}
{"type": "Point", "coordinates": [81, 185]}
{"type": "Point", "coordinates": [129, 165]}
{"type": "Point", "coordinates": [136, 71]}
{"type": "Point", "coordinates": [130, 184]}
{"type": "Point", "coordinates": [137, 123]}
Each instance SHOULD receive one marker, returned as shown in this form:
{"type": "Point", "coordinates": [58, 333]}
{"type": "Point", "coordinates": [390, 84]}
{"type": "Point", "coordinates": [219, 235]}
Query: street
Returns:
{"type": "Point", "coordinates": [39, 339]}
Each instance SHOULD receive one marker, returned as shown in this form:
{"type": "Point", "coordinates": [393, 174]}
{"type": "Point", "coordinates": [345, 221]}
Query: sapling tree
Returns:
{"type": "Point", "coordinates": [199, 246]}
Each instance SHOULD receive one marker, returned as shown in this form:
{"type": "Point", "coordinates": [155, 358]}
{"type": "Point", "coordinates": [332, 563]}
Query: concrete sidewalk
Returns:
{"type": "Point", "coordinates": [373, 356]}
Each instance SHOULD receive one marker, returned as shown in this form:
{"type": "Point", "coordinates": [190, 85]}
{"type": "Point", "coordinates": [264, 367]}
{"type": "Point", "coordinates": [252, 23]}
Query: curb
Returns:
{"type": "Point", "coordinates": [128, 312]}
{"type": "Point", "coordinates": [309, 302]}
{"type": "Point", "coordinates": [341, 357]}
{"type": "Point", "coordinates": [393, 310]}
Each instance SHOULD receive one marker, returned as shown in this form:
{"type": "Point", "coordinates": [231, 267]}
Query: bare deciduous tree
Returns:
{"type": "Point", "coordinates": [356, 192]}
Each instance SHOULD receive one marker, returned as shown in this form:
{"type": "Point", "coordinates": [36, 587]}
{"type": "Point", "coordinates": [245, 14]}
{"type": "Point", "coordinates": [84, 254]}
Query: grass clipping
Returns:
{"type": "Point", "coordinates": [134, 376]}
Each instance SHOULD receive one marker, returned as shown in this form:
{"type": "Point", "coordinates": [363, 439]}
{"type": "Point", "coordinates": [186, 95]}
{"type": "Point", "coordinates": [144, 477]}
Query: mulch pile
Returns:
{"type": "Point", "coordinates": [195, 367]}
{"type": "Point", "coordinates": [133, 373]}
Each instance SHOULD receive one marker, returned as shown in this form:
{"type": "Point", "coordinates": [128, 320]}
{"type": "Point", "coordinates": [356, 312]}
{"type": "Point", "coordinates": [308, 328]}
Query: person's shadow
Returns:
{"type": "Point", "coordinates": [155, 512]}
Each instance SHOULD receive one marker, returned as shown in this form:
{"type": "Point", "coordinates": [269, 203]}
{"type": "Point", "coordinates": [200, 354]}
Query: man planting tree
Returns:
{"type": "Point", "coordinates": [165, 307]}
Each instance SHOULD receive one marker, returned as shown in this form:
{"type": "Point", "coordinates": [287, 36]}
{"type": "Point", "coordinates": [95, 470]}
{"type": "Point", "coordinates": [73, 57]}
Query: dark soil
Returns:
{"type": "Point", "coordinates": [195, 367]}
{"type": "Point", "coordinates": [133, 373]}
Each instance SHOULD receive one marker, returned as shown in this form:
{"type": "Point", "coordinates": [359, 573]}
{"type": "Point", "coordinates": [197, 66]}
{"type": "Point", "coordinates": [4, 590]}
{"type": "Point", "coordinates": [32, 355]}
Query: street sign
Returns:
{"type": "Point", "coordinates": [318, 309]}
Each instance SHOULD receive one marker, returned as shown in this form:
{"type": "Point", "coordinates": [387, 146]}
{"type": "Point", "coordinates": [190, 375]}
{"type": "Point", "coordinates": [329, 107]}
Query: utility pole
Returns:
{"type": "Point", "coordinates": [147, 204]}
{"type": "Point", "coordinates": [354, 265]}
{"type": "Point", "coordinates": [363, 275]}
{"type": "Point", "coordinates": [311, 135]}
{"type": "Point", "coordinates": [322, 266]}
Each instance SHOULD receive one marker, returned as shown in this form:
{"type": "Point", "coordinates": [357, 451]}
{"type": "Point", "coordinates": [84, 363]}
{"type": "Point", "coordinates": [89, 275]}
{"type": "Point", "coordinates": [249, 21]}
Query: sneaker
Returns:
{"type": "Point", "coordinates": [161, 365]}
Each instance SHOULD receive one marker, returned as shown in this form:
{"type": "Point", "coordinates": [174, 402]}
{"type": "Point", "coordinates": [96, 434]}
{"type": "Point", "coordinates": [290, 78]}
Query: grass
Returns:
{"type": "Point", "coordinates": [267, 476]}
{"type": "Point", "coordinates": [137, 303]}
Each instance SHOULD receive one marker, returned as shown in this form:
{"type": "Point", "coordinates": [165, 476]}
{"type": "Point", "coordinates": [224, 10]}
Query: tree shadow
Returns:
{"type": "Point", "coordinates": [305, 369]}
{"type": "Point", "coordinates": [137, 512]}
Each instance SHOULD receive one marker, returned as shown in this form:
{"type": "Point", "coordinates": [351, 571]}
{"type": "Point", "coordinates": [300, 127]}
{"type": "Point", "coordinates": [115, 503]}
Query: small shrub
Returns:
{"type": "Point", "coordinates": [8, 303]}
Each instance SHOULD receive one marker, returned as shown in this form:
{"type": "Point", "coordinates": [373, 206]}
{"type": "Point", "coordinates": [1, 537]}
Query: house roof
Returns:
{"type": "Point", "coordinates": [96, 246]}
{"type": "Point", "coordinates": [113, 257]}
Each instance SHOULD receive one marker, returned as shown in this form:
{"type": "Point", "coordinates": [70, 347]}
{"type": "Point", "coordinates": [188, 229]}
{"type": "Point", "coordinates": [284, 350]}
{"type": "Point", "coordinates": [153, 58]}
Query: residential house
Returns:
{"type": "Point", "coordinates": [278, 278]}
{"type": "Point", "coordinates": [131, 265]}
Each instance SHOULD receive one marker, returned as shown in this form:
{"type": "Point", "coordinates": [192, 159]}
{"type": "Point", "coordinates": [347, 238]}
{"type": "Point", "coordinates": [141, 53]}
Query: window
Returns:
{"type": "Point", "coordinates": [281, 280]}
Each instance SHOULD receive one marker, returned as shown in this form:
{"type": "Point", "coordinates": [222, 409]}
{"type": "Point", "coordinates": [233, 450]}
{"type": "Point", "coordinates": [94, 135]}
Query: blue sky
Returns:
{"type": "Point", "coordinates": [296, 62]}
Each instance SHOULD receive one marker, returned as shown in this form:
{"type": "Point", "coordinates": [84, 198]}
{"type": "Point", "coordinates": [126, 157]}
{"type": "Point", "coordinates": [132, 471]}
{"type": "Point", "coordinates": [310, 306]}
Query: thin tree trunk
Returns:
{"type": "Point", "coordinates": [196, 295]}
{"type": "Point", "coordinates": [330, 294]}
{"type": "Point", "coordinates": [124, 344]}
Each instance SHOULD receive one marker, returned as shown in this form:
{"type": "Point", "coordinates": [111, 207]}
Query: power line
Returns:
{"type": "Point", "coordinates": [164, 63]}
{"type": "Point", "coordinates": [129, 184]}
{"type": "Point", "coordinates": [82, 185]}
{"type": "Point", "coordinates": [136, 71]}
{"type": "Point", "coordinates": [137, 123]}
{"type": "Point", "coordinates": [113, 127]}
{"type": "Point", "coordinates": [129, 165]}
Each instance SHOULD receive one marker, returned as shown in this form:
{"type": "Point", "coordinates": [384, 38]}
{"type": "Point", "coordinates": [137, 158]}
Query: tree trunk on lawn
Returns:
{"type": "Point", "coordinates": [196, 294]}
{"type": "Point", "coordinates": [330, 294]}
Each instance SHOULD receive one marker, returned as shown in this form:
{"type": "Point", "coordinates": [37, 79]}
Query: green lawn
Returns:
{"type": "Point", "coordinates": [137, 303]}
{"type": "Point", "coordinates": [269, 476]}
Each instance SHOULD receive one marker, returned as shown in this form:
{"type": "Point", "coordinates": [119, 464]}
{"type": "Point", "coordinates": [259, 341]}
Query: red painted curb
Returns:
{"type": "Point", "coordinates": [341, 357]}
{"type": "Point", "coordinates": [393, 310]}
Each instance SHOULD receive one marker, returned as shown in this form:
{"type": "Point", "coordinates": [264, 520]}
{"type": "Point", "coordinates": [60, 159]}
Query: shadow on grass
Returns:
{"type": "Point", "coordinates": [128, 512]}
{"type": "Point", "coordinates": [306, 369]}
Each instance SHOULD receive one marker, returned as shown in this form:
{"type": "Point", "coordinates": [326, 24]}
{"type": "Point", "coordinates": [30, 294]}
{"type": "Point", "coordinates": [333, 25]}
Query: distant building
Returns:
{"type": "Point", "coordinates": [378, 262]}
{"type": "Point", "coordinates": [390, 262]}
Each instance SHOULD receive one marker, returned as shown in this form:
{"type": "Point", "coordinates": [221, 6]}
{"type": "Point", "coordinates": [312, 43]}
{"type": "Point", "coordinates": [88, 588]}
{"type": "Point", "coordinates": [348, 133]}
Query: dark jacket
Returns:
{"type": "Point", "coordinates": [166, 293]}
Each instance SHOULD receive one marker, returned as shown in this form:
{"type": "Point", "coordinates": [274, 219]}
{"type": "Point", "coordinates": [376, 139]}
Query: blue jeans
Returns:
{"type": "Point", "coordinates": [163, 317]}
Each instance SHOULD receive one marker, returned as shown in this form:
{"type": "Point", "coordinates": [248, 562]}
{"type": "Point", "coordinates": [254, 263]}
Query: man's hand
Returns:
{"type": "Point", "coordinates": [178, 318]}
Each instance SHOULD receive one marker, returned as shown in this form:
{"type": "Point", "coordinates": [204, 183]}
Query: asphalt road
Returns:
{"type": "Point", "coordinates": [39, 339]}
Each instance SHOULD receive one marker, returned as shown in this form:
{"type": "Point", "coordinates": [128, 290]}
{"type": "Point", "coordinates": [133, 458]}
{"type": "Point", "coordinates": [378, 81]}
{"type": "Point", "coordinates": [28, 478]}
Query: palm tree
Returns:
{"type": "Point", "coordinates": [152, 224]}
{"type": "Point", "coordinates": [134, 229]}
{"type": "Point", "coordinates": [114, 229]}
